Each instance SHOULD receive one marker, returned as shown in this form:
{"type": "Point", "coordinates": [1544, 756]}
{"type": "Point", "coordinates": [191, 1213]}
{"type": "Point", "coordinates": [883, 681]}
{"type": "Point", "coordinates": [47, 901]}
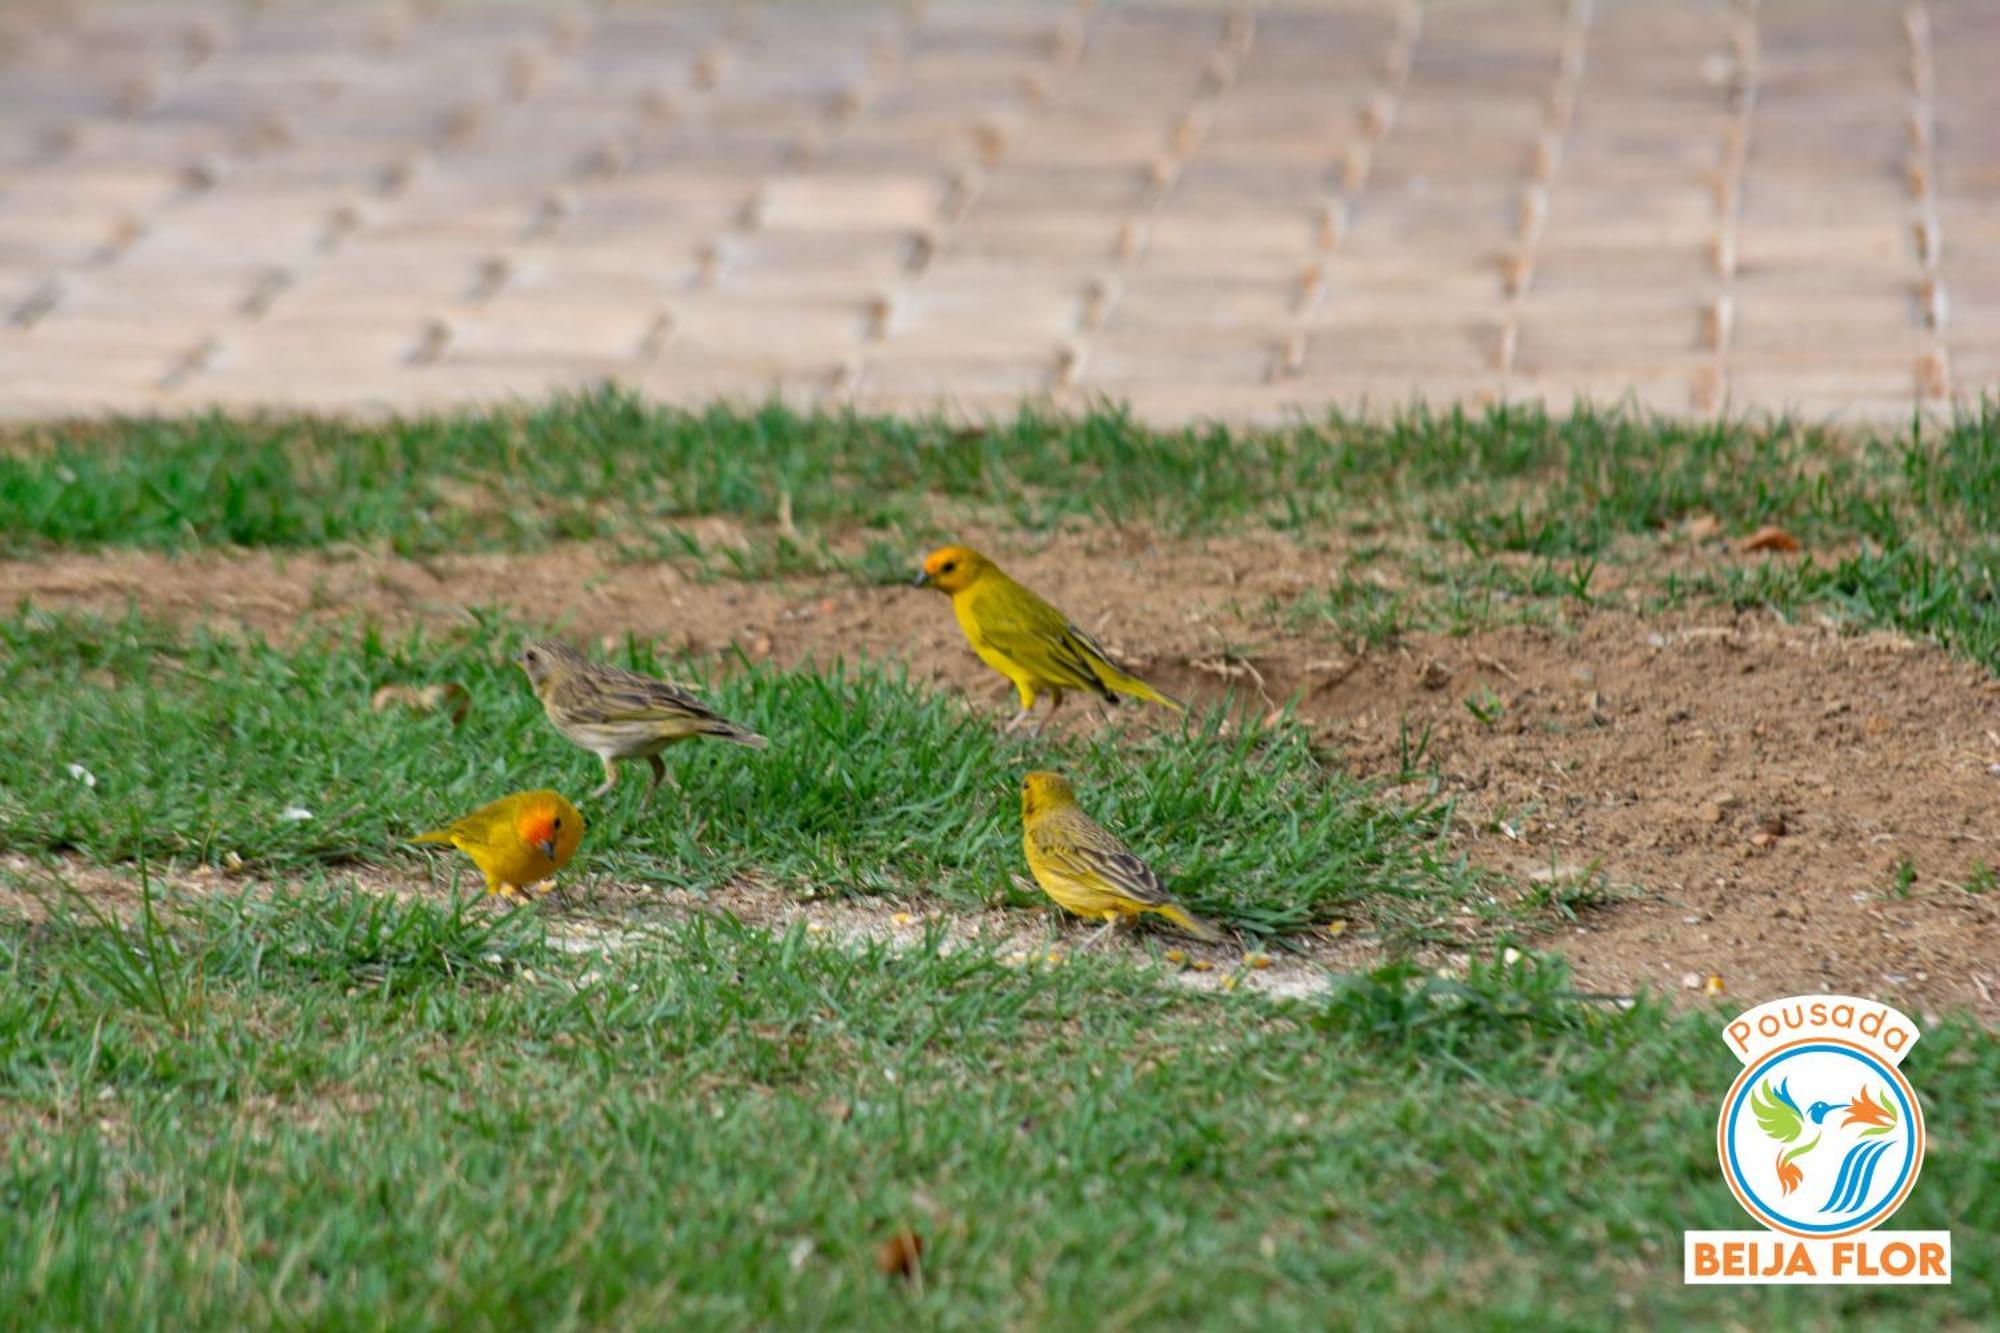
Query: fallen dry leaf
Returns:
{"type": "Point", "coordinates": [901, 1255]}
{"type": "Point", "coordinates": [1770, 537]}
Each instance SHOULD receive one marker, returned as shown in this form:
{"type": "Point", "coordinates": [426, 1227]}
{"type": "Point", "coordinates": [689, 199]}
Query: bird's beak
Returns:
{"type": "Point", "coordinates": [923, 579]}
{"type": "Point", "coordinates": [548, 846]}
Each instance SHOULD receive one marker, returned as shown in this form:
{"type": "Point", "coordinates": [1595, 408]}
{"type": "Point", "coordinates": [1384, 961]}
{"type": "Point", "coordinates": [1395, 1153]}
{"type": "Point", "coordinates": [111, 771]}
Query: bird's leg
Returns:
{"type": "Point", "coordinates": [1098, 936]}
{"type": "Point", "coordinates": [1020, 719]}
{"type": "Point", "coordinates": [660, 775]}
{"type": "Point", "coordinates": [1055, 702]}
{"type": "Point", "coordinates": [610, 777]}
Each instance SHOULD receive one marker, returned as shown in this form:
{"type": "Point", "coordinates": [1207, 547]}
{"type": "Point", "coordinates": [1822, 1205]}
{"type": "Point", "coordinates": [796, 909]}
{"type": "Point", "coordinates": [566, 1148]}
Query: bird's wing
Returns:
{"type": "Point", "coordinates": [1775, 1114]}
{"type": "Point", "coordinates": [612, 694]}
{"type": "Point", "coordinates": [1081, 848]}
{"type": "Point", "coordinates": [487, 826]}
{"type": "Point", "coordinates": [1017, 624]}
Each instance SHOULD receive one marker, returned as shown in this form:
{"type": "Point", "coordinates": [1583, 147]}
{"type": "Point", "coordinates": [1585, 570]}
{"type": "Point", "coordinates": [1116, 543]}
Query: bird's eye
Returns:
{"type": "Point", "coordinates": [950, 565]}
{"type": "Point", "coordinates": [558, 821]}
{"type": "Point", "coordinates": [530, 654]}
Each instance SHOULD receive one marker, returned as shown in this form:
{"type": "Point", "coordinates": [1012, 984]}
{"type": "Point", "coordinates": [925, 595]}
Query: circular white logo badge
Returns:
{"type": "Point", "coordinates": [1820, 1138]}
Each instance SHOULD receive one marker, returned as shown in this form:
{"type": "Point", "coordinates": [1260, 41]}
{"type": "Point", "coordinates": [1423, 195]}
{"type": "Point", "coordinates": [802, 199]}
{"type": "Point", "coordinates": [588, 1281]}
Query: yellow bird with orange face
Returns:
{"type": "Point", "coordinates": [1025, 639]}
{"type": "Point", "coordinates": [516, 841]}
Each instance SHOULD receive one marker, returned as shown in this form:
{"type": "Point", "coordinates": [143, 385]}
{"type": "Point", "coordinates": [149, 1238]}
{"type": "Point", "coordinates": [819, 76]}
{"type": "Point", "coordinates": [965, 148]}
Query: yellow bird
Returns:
{"type": "Point", "coordinates": [517, 840]}
{"type": "Point", "coordinates": [1083, 866]}
{"type": "Point", "coordinates": [1025, 639]}
{"type": "Point", "coordinates": [618, 714]}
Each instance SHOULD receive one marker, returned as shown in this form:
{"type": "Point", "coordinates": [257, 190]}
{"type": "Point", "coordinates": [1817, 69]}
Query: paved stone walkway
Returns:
{"type": "Point", "coordinates": [1228, 211]}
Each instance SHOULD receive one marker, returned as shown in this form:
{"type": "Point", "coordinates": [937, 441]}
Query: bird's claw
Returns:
{"type": "Point", "coordinates": [1098, 936]}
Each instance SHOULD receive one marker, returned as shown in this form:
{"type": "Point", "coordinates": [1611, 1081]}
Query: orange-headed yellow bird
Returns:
{"type": "Point", "coordinates": [517, 840]}
{"type": "Point", "coordinates": [1083, 866]}
{"type": "Point", "coordinates": [1025, 639]}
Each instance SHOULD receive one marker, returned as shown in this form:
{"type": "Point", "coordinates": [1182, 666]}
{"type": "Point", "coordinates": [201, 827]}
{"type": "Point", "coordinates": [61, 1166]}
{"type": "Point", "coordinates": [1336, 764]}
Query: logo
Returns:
{"type": "Point", "coordinates": [1821, 1139]}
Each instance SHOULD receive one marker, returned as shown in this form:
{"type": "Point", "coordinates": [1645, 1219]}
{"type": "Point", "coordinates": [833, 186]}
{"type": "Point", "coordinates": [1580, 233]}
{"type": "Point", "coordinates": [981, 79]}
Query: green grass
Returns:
{"type": "Point", "coordinates": [607, 466]}
{"type": "Point", "coordinates": [197, 745]}
{"type": "Point", "coordinates": [1952, 598]}
{"type": "Point", "coordinates": [328, 1109]}
{"type": "Point", "coordinates": [1511, 512]}
{"type": "Point", "coordinates": [316, 1105]}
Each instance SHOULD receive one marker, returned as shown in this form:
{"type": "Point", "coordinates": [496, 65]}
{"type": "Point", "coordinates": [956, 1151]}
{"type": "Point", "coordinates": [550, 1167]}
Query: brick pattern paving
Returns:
{"type": "Point", "coordinates": [1208, 211]}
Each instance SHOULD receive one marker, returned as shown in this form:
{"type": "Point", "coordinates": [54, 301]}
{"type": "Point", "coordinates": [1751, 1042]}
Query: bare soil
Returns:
{"type": "Point", "coordinates": [1784, 807]}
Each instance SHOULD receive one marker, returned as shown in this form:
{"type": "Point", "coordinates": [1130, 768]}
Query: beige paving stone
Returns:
{"type": "Point", "coordinates": [1208, 209]}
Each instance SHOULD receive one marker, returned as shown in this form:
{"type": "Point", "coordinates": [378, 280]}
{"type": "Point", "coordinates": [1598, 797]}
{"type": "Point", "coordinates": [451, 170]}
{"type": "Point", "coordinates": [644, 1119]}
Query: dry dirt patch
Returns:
{"type": "Point", "coordinates": [1755, 786]}
{"type": "Point", "coordinates": [1749, 792]}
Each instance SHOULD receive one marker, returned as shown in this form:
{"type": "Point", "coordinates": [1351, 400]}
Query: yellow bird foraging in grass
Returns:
{"type": "Point", "coordinates": [1025, 639]}
{"type": "Point", "coordinates": [618, 714]}
{"type": "Point", "coordinates": [517, 840]}
{"type": "Point", "coordinates": [1083, 866]}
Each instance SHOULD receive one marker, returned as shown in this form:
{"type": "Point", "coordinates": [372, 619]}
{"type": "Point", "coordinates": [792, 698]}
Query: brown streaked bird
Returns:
{"type": "Point", "coordinates": [618, 714]}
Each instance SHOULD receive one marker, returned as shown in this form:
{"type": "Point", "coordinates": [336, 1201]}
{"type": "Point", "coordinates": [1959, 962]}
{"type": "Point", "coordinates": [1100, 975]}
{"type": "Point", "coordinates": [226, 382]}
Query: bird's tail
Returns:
{"type": "Point", "coordinates": [729, 731]}
{"type": "Point", "coordinates": [435, 835]}
{"type": "Point", "coordinates": [1189, 922]}
{"type": "Point", "coordinates": [1139, 689]}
